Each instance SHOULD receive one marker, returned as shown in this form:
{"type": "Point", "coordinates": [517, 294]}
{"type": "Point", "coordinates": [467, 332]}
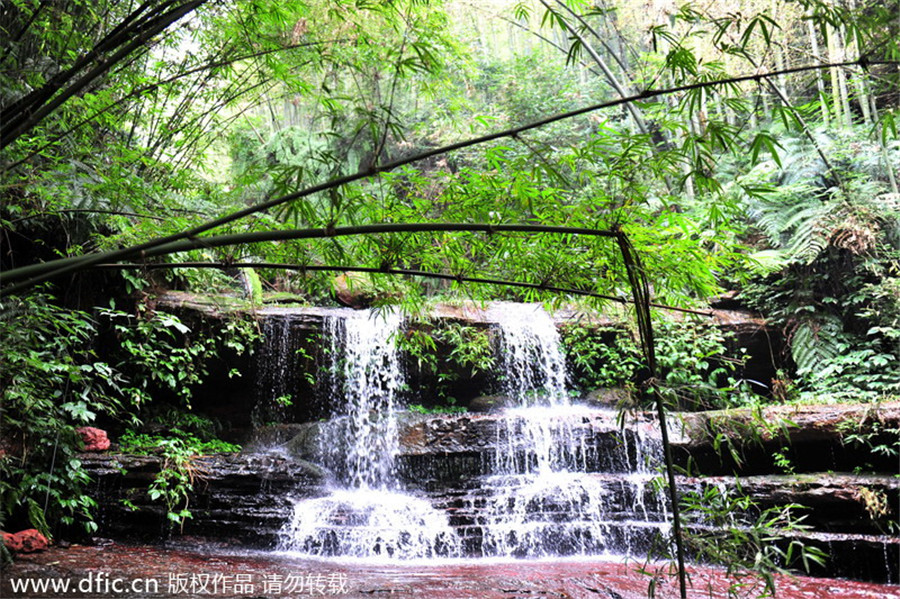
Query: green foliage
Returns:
{"type": "Point", "coordinates": [52, 383]}
{"type": "Point", "coordinates": [256, 294]}
{"type": "Point", "coordinates": [178, 451]}
{"type": "Point", "coordinates": [448, 353]}
{"type": "Point", "coordinates": [150, 444]}
{"type": "Point", "coordinates": [872, 434]}
{"type": "Point", "coordinates": [326, 89]}
{"type": "Point", "coordinates": [828, 276]}
{"type": "Point", "coordinates": [422, 346]}
{"type": "Point", "coordinates": [599, 357]}
{"type": "Point", "coordinates": [173, 483]}
{"type": "Point", "coordinates": [733, 432]}
{"type": "Point", "coordinates": [753, 544]}
{"type": "Point", "coordinates": [783, 461]}
{"type": "Point", "coordinates": [154, 351]}
{"type": "Point", "coordinates": [160, 353]}
{"type": "Point", "coordinates": [695, 368]}
{"type": "Point", "coordinates": [470, 347]}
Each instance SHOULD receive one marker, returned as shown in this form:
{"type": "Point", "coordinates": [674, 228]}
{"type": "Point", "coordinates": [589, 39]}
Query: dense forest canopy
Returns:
{"type": "Point", "coordinates": [747, 145]}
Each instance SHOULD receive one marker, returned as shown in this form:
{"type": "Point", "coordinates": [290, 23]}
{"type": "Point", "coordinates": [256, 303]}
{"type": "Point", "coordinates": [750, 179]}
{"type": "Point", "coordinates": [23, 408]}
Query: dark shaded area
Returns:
{"type": "Point", "coordinates": [238, 499]}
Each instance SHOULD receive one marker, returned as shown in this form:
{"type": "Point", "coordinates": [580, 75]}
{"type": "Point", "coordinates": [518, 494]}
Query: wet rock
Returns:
{"type": "Point", "coordinates": [26, 541]}
{"type": "Point", "coordinates": [489, 403]}
{"type": "Point", "coordinates": [572, 579]}
{"type": "Point", "coordinates": [811, 437]}
{"type": "Point", "coordinates": [450, 459]}
{"type": "Point", "coordinates": [266, 438]}
{"type": "Point", "coordinates": [833, 503]}
{"type": "Point", "coordinates": [354, 290]}
{"type": "Point", "coordinates": [304, 445]}
{"type": "Point", "coordinates": [242, 498]}
{"type": "Point", "coordinates": [609, 398]}
{"type": "Point", "coordinates": [448, 434]}
{"type": "Point", "coordinates": [477, 432]}
{"type": "Point", "coordinates": [94, 439]}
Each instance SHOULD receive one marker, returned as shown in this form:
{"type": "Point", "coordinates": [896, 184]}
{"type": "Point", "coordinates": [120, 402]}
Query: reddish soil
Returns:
{"type": "Point", "coordinates": [124, 571]}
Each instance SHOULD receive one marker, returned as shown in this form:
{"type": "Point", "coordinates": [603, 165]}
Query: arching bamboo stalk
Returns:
{"type": "Point", "coordinates": [637, 279]}
{"type": "Point", "coordinates": [302, 268]}
{"type": "Point", "coordinates": [32, 275]}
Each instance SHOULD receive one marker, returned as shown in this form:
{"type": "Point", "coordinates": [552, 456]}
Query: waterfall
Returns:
{"type": "Point", "coordinates": [534, 377]}
{"type": "Point", "coordinates": [543, 502]}
{"type": "Point", "coordinates": [558, 479]}
{"type": "Point", "coordinates": [276, 375]}
{"type": "Point", "coordinates": [535, 476]}
{"type": "Point", "coordinates": [360, 446]}
{"type": "Point", "coordinates": [531, 360]}
{"type": "Point", "coordinates": [367, 514]}
{"type": "Point", "coordinates": [367, 523]}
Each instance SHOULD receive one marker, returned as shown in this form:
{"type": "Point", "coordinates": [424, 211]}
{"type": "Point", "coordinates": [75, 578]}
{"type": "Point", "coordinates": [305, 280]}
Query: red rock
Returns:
{"type": "Point", "coordinates": [26, 541]}
{"type": "Point", "coordinates": [94, 439]}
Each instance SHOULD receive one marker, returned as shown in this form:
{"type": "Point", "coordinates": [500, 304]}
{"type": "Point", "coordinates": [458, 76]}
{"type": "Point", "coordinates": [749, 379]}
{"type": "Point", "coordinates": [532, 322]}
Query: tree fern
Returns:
{"type": "Point", "coordinates": [816, 342]}
{"type": "Point", "coordinates": [809, 231]}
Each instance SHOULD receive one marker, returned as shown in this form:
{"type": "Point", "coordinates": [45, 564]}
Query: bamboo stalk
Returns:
{"type": "Point", "coordinates": [640, 289]}
{"type": "Point", "coordinates": [303, 268]}
{"type": "Point", "coordinates": [42, 272]}
{"type": "Point", "coordinates": [31, 115]}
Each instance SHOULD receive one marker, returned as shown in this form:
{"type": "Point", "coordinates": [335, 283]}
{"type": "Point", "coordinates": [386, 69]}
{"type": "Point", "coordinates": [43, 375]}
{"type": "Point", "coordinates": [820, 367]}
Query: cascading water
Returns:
{"type": "Point", "coordinates": [361, 444]}
{"type": "Point", "coordinates": [543, 502]}
{"type": "Point", "coordinates": [532, 363]}
{"type": "Point", "coordinates": [559, 479]}
{"type": "Point", "coordinates": [275, 379]}
{"type": "Point", "coordinates": [369, 523]}
{"type": "Point", "coordinates": [367, 514]}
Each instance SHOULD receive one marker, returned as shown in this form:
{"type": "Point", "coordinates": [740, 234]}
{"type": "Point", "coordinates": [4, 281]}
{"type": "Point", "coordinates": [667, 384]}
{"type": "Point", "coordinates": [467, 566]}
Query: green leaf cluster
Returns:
{"type": "Point", "coordinates": [696, 365]}
{"type": "Point", "coordinates": [162, 355]}
{"type": "Point", "coordinates": [446, 353]}
{"type": "Point", "coordinates": [754, 544]}
{"type": "Point", "coordinates": [828, 273]}
{"type": "Point", "coordinates": [52, 383]}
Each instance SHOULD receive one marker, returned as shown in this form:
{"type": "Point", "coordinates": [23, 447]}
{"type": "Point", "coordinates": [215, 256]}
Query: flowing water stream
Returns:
{"type": "Point", "coordinates": [543, 501]}
{"type": "Point", "coordinates": [367, 514]}
{"type": "Point", "coordinates": [547, 489]}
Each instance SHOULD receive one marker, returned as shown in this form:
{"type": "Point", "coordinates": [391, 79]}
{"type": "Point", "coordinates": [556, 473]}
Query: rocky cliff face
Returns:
{"type": "Point", "coordinates": [245, 499]}
{"type": "Point", "coordinates": [233, 399]}
{"type": "Point", "coordinates": [241, 499]}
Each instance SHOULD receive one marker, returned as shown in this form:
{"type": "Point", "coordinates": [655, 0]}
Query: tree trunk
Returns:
{"type": "Point", "coordinates": [860, 84]}
{"type": "Point", "coordinates": [820, 80]}
{"type": "Point", "coordinates": [836, 52]}
{"type": "Point", "coordinates": [778, 51]}
{"type": "Point", "coordinates": [836, 103]}
{"type": "Point", "coordinates": [613, 81]}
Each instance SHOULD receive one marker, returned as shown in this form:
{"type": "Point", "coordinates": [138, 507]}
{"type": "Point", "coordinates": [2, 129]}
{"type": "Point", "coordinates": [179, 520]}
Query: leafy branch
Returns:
{"type": "Point", "coordinates": [25, 277]}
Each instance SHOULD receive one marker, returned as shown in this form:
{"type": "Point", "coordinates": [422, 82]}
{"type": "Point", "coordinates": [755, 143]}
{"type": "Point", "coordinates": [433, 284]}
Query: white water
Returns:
{"type": "Point", "coordinates": [366, 514]}
{"type": "Point", "coordinates": [367, 523]}
{"type": "Point", "coordinates": [558, 486]}
{"type": "Point", "coordinates": [532, 362]}
{"type": "Point", "coordinates": [543, 500]}
{"type": "Point", "coordinates": [361, 446]}
{"type": "Point", "coordinates": [541, 516]}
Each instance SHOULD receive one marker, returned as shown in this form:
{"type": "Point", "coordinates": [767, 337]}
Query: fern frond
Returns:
{"type": "Point", "coordinates": [816, 342]}
{"type": "Point", "coordinates": [809, 231]}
